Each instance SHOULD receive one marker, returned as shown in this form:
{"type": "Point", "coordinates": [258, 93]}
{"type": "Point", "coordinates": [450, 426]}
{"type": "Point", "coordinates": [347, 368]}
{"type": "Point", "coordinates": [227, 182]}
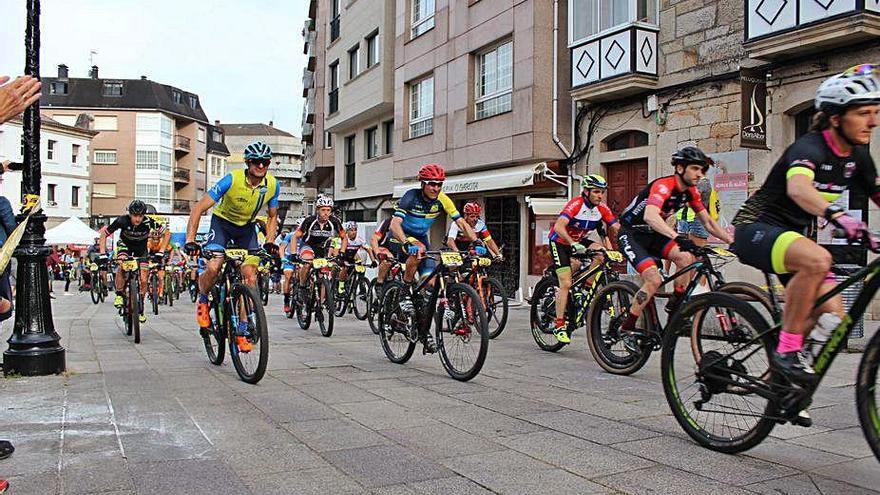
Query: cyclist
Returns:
{"type": "Point", "coordinates": [315, 233]}
{"type": "Point", "coordinates": [239, 196]}
{"type": "Point", "coordinates": [92, 256]}
{"type": "Point", "coordinates": [349, 255]}
{"type": "Point", "coordinates": [413, 216]}
{"type": "Point", "coordinates": [774, 226]}
{"type": "Point", "coordinates": [288, 252]}
{"type": "Point", "coordinates": [134, 230]}
{"type": "Point", "coordinates": [650, 209]}
{"type": "Point", "coordinates": [158, 247]}
{"type": "Point", "coordinates": [581, 215]}
{"type": "Point", "coordinates": [383, 244]}
{"type": "Point", "coordinates": [456, 238]}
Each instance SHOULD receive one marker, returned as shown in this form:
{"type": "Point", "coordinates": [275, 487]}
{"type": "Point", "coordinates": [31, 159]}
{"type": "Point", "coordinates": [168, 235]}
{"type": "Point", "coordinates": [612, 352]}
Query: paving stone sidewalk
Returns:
{"type": "Point", "coordinates": [335, 416]}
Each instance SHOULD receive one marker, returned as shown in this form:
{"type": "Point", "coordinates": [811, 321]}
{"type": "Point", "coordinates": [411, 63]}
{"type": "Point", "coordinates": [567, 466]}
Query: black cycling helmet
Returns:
{"type": "Point", "coordinates": [137, 207]}
{"type": "Point", "coordinates": [691, 155]}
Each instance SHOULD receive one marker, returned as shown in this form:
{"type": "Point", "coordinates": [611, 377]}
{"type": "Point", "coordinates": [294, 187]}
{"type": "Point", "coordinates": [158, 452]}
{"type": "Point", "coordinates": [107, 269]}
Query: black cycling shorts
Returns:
{"type": "Point", "coordinates": [763, 246]}
{"type": "Point", "coordinates": [644, 249]}
{"type": "Point", "coordinates": [136, 250]}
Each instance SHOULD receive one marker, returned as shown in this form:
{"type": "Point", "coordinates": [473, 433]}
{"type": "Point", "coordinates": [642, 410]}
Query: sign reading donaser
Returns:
{"type": "Point", "coordinates": [753, 123]}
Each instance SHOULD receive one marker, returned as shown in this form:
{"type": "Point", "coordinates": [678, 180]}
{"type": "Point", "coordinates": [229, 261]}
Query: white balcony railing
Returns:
{"type": "Point", "coordinates": [769, 17]}
{"type": "Point", "coordinates": [630, 50]}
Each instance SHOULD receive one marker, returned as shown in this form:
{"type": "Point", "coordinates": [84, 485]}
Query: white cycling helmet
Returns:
{"type": "Point", "coordinates": [324, 201]}
{"type": "Point", "coordinates": [351, 225]}
{"type": "Point", "coordinates": [859, 85]}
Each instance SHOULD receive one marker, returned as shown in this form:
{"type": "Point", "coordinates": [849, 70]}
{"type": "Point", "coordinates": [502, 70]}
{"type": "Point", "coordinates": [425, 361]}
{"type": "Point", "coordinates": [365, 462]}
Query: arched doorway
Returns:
{"type": "Point", "coordinates": [628, 177]}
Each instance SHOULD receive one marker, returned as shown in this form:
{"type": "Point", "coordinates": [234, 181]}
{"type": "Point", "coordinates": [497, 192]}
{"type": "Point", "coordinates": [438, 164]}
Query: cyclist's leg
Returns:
{"type": "Point", "coordinates": [680, 259]}
{"type": "Point", "coordinates": [641, 258]}
{"type": "Point", "coordinates": [307, 254]}
{"type": "Point", "coordinates": [161, 282]}
{"type": "Point", "coordinates": [561, 254]}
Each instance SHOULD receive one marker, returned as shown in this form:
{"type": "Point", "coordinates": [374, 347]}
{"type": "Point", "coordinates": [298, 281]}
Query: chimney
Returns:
{"type": "Point", "coordinates": [216, 123]}
{"type": "Point", "coordinates": [143, 78]}
{"type": "Point", "coordinates": [62, 72]}
{"type": "Point", "coordinates": [94, 72]}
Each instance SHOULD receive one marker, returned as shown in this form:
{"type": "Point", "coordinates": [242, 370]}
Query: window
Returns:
{"type": "Point", "coordinates": [51, 195]}
{"type": "Point", "coordinates": [334, 87]}
{"type": "Point", "coordinates": [148, 193]}
{"type": "Point", "coordinates": [354, 54]}
{"type": "Point", "coordinates": [106, 123]}
{"type": "Point", "coordinates": [74, 196]}
{"type": "Point", "coordinates": [50, 149]}
{"type": "Point", "coordinates": [626, 140]}
{"type": "Point", "coordinates": [165, 161]}
{"type": "Point", "coordinates": [112, 88]}
{"type": "Point", "coordinates": [373, 49]}
{"type": "Point", "coordinates": [58, 88]}
{"type": "Point", "coordinates": [74, 153]}
{"type": "Point", "coordinates": [371, 142]}
{"type": "Point", "coordinates": [328, 140]}
{"type": "Point", "coordinates": [193, 102]}
{"type": "Point", "coordinates": [165, 194]}
{"type": "Point", "coordinates": [349, 161]}
{"type": "Point", "coordinates": [422, 17]}
{"type": "Point", "coordinates": [589, 17]}
{"type": "Point", "coordinates": [200, 135]}
{"type": "Point", "coordinates": [146, 160]}
{"type": "Point", "coordinates": [106, 190]}
{"type": "Point", "coordinates": [217, 136]}
{"type": "Point", "coordinates": [421, 107]}
{"type": "Point", "coordinates": [388, 132]}
{"type": "Point", "coordinates": [177, 97]}
{"type": "Point", "coordinates": [105, 157]}
{"type": "Point", "coordinates": [334, 20]}
{"type": "Point", "coordinates": [494, 81]}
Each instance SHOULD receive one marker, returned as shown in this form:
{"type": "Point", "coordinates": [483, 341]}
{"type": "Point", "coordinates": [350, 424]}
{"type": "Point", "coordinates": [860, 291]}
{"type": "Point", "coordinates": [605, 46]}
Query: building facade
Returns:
{"type": "Point", "coordinates": [218, 154]}
{"type": "Point", "coordinates": [151, 142]}
{"type": "Point", "coordinates": [64, 187]}
{"type": "Point", "coordinates": [318, 151]}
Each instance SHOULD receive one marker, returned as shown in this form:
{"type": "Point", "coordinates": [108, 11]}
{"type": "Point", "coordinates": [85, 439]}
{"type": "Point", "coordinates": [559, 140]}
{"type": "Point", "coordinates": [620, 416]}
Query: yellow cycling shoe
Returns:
{"type": "Point", "coordinates": [118, 301]}
{"type": "Point", "coordinates": [562, 336]}
{"type": "Point", "coordinates": [142, 318]}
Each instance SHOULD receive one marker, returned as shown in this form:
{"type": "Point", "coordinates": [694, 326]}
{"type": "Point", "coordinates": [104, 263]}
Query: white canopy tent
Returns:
{"type": "Point", "coordinates": [71, 231]}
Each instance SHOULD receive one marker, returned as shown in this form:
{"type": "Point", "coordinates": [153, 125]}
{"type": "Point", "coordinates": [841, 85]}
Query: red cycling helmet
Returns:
{"type": "Point", "coordinates": [472, 208]}
{"type": "Point", "coordinates": [432, 172]}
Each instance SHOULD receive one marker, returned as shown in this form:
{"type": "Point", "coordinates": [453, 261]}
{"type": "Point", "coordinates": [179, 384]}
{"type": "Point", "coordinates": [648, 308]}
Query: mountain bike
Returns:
{"type": "Point", "coordinates": [169, 285]}
{"type": "Point", "coordinates": [584, 285]}
{"type": "Point", "coordinates": [355, 292]}
{"type": "Point", "coordinates": [624, 354]}
{"type": "Point", "coordinates": [153, 286]}
{"type": "Point", "coordinates": [133, 303]}
{"type": "Point", "coordinates": [721, 388]}
{"type": "Point", "coordinates": [492, 293]}
{"type": "Point", "coordinates": [98, 290]}
{"type": "Point", "coordinates": [236, 311]}
{"type": "Point", "coordinates": [375, 290]}
{"type": "Point", "coordinates": [263, 282]}
{"type": "Point", "coordinates": [316, 297]}
{"type": "Point", "coordinates": [454, 308]}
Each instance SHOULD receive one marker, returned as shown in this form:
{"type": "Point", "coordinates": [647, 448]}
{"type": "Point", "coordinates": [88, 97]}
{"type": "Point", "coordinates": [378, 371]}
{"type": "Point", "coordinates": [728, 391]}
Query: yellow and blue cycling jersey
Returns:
{"type": "Point", "coordinates": [238, 201]}
{"type": "Point", "coordinates": [419, 212]}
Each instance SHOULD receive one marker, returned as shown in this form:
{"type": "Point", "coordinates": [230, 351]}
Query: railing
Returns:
{"type": "Point", "coordinates": [181, 206]}
{"type": "Point", "coordinates": [308, 131]}
{"type": "Point", "coordinates": [766, 18]}
{"type": "Point", "coordinates": [630, 50]}
{"type": "Point", "coordinates": [334, 101]}
{"type": "Point", "coordinates": [181, 175]}
{"type": "Point", "coordinates": [181, 143]}
{"type": "Point", "coordinates": [308, 81]}
{"type": "Point", "coordinates": [334, 29]}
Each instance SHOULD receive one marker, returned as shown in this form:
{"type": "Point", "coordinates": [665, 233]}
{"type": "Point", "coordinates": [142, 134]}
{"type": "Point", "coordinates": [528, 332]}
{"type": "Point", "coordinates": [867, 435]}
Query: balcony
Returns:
{"type": "Point", "coordinates": [181, 176]}
{"type": "Point", "coordinates": [291, 194]}
{"type": "Point", "coordinates": [313, 9]}
{"type": "Point", "coordinates": [308, 81]}
{"type": "Point", "coordinates": [308, 132]}
{"type": "Point", "coordinates": [777, 29]}
{"type": "Point", "coordinates": [181, 206]}
{"type": "Point", "coordinates": [334, 101]}
{"type": "Point", "coordinates": [182, 143]}
{"type": "Point", "coordinates": [616, 64]}
{"type": "Point", "coordinates": [309, 109]}
{"type": "Point", "coordinates": [334, 29]}
{"type": "Point", "coordinates": [310, 37]}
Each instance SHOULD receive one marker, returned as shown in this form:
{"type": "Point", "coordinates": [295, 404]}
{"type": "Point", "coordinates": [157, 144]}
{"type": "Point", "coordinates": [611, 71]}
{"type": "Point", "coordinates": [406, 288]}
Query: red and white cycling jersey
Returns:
{"type": "Point", "coordinates": [664, 194]}
{"type": "Point", "coordinates": [582, 219]}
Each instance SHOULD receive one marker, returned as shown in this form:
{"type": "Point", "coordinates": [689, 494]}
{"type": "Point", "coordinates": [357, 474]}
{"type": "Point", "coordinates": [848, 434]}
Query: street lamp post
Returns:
{"type": "Point", "coordinates": [34, 347]}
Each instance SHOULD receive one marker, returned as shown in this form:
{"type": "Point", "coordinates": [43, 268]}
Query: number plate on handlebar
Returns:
{"type": "Point", "coordinates": [451, 258]}
{"type": "Point", "coordinates": [320, 262]}
{"type": "Point", "coordinates": [360, 268]}
{"type": "Point", "coordinates": [130, 265]}
{"type": "Point", "coordinates": [615, 256]}
{"type": "Point", "coordinates": [722, 252]}
{"type": "Point", "coordinates": [236, 253]}
{"type": "Point", "coordinates": [485, 262]}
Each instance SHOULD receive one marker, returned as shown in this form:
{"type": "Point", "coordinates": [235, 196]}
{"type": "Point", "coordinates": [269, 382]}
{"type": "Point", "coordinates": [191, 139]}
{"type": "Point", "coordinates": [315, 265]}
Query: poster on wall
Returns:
{"type": "Point", "coordinates": [753, 99]}
{"type": "Point", "coordinates": [730, 181]}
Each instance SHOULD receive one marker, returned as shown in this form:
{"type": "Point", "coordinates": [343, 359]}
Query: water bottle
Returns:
{"type": "Point", "coordinates": [822, 332]}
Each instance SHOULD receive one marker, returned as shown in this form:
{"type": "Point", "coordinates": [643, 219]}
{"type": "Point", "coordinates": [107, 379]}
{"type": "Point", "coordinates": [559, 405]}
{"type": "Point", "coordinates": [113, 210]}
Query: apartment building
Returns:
{"type": "Point", "coordinates": [318, 153]}
{"type": "Point", "coordinates": [151, 142]}
{"type": "Point", "coordinates": [65, 188]}
{"type": "Point", "coordinates": [296, 196]}
{"type": "Point", "coordinates": [218, 154]}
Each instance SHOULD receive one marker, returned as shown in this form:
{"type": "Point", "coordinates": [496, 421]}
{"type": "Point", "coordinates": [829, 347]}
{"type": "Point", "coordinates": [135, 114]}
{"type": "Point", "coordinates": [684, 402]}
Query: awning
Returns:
{"type": "Point", "coordinates": [546, 206]}
{"type": "Point", "coordinates": [487, 180]}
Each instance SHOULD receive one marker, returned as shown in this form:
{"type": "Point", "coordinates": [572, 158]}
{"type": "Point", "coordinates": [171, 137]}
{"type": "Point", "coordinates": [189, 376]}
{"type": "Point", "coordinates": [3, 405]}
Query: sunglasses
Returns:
{"type": "Point", "coordinates": [864, 69]}
{"type": "Point", "coordinates": [433, 183]}
{"type": "Point", "coordinates": [260, 163]}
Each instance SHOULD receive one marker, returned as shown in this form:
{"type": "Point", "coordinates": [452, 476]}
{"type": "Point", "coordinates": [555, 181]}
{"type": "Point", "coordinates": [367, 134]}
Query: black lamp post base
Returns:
{"type": "Point", "coordinates": [34, 361]}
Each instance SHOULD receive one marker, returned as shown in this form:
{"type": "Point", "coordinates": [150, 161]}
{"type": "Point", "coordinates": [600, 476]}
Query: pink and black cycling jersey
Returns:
{"type": "Point", "coordinates": [664, 194]}
{"type": "Point", "coordinates": [582, 219]}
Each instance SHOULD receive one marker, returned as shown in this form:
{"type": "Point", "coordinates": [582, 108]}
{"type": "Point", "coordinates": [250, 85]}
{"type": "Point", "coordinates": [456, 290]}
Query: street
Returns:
{"type": "Point", "coordinates": [335, 416]}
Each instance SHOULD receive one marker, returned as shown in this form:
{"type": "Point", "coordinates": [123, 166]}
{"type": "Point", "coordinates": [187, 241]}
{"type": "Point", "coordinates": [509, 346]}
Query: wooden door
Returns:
{"type": "Point", "coordinates": [625, 181]}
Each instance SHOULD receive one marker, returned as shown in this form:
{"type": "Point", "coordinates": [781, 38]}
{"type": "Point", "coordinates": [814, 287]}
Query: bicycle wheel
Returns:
{"type": "Point", "coordinates": [134, 311]}
{"type": "Point", "coordinates": [95, 291]}
{"type": "Point", "coordinates": [215, 337]}
{"type": "Point", "coordinates": [249, 364]}
{"type": "Point", "coordinates": [359, 302]}
{"type": "Point", "coordinates": [324, 309]}
{"type": "Point", "coordinates": [462, 335]}
{"type": "Point", "coordinates": [866, 394]}
{"type": "Point", "coordinates": [397, 333]}
{"type": "Point", "coordinates": [373, 305]}
{"type": "Point", "coordinates": [608, 309]}
{"type": "Point", "coordinates": [341, 299]}
{"type": "Point", "coordinates": [154, 293]}
{"type": "Point", "coordinates": [264, 289]}
{"type": "Point", "coordinates": [495, 302]}
{"type": "Point", "coordinates": [710, 380]}
{"type": "Point", "coordinates": [542, 314]}
{"type": "Point", "coordinates": [169, 291]}
{"type": "Point", "coordinates": [193, 291]}
{"type": "Point", "coordinates": [753, 294]}
{"type": "Point", "coordinates": [303, 308]}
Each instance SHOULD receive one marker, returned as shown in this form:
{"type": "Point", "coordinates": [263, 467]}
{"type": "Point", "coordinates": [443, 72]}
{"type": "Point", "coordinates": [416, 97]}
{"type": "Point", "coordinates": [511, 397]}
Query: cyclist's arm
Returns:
{"type": "Point", "coordinates": [450, 243]}
{"type": "Point", "coordinates": [166, 240]}
{"type": "Point", "coordinates": [396, 228]}
{"type": "Point", "coordinates": [799, 187]}
{"type": "Point", "coordinates": [272, 222]}
{"type": "Point", "coordinates": [195, 215]}
{"type": "Point", "coordinates": [656, 222]}
{"type": "Point", "coordinates": [493, 248]}
{"type": "Point", "coordinates": [714, 227]}
{"type": "Point", "coordinates": [611, 240]}
{"type": "Point", "coordinates": [463, 225]}
{"type": "Point", "coordinates": [561, 229]}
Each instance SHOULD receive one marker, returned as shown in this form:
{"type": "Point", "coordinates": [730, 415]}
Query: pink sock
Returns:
{"type": "Point", "coordinates": [789, 342]}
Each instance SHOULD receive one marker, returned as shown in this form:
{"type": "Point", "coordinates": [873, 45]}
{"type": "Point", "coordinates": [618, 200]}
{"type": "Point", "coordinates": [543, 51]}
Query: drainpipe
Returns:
{"type": "Point", "coordinates": [555, 109]}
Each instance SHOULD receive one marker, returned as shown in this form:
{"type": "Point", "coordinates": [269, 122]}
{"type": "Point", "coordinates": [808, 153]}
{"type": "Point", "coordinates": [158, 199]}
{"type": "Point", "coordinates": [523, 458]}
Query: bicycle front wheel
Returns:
{"type": "Point", "coordinates": [495, 302]}
{"type": "Point", "coordinates": [154, 293]}
{"type": "Point", "coordinates": [249, 345]}
{"type": "Point", "coordinates": [396, 327]}
{"type": "Point", "coordinates": [715, 357]}
{"type": "Point", "coordinates": [866, 394]}
{"type": "Point", "coordinates": [542, 314]}
{"type": "Point", "coordinates": [608, 309]}
{"type": "Point", "coordinates": [134, 312]}
{"type": "Point", "coordinates": [324, 306]}
{"type": "Point", "coordinates": [373, 305]}
{"type": "Point", "coordinates": [95, 291]}
{"type": "Point", "coordinates": [215, 337]}
{"type": "Point", "coordinates": [264, 289]}
{"type": "Point", "coordinates": [462, 332]}
{"type": "Point", "coordinates": [359, 303]}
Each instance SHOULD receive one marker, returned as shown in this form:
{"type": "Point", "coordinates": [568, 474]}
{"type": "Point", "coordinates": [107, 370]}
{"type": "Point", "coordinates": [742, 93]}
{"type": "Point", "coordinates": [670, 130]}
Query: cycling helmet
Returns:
{"type": "Point", "coordinates": [594, 181]}
{"type": "Point", "coordinates": [859, 85]}
{"type": "Point", "coordinates": [432, 172]}
{"type": "Point", "coordinates": [689, 155]}
{"type": "Point", "coordinates": [137, 207]}
{"type": "Point", "coordinates": [351, 225]}
{"type": "Point", "coordinates": [257, 151]}
{"type": "Point", "coordinates": [324, 201]}
{"type": "Point", "coordinates": [472, 208]}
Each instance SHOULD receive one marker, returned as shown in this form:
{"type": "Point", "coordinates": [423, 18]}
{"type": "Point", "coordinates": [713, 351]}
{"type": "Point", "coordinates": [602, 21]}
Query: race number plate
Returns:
{"type": "Point", "coordinates": [614, 256]}
{"type": "Point", "coordinates": [451, 258]}
{"type": "Point", "coordinates": [360, 268]}
{"type": "Point", "coordinates": [485, 262]}
{"type": "Point", "coordinates": [236, 253]}
{"type": "Point", "coordinates": [320, 262]}
{"type": "Point", "coordinates": [723, 252]}
{"type": "Point", "coordinates": [130, 265]}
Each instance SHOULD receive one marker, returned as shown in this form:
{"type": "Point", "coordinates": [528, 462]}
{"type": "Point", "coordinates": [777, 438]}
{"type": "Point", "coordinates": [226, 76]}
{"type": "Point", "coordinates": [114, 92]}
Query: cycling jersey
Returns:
{"type": "Point", "coordinates": [664, 194]}
{"type": "Point", "coordinates": [238, 201]}
{"type": "Point", "coordinates": [316, 234]}
{"type": "Point", "coordinates": [419, 212]}
{"type": "Point", "coordinates": [582, 219]}
{"type": "Point", "coordinates": [354, 245]}
{"type": "Point", "coordinates": [462, 241]}
{"type": "Point", "coordinates": [813, 155]}
{"type": "Point", "coordinates": [134, 237]}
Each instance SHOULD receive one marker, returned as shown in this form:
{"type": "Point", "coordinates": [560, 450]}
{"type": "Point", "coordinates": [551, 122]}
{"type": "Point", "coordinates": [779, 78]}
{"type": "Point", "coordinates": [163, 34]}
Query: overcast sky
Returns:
{"type": "Point", "coordinates": [243, 58]}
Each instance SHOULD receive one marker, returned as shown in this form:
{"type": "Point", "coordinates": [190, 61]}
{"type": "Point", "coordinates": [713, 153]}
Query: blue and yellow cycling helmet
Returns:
{"type": "Point", "coordinates": [258, 151]}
